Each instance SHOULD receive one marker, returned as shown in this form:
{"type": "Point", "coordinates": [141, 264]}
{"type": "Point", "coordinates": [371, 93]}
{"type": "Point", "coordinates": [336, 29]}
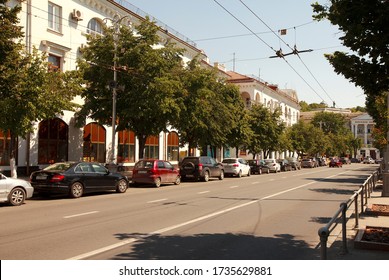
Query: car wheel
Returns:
{"type": "Point", "coordinates": [76, 190]}
{"type": "Point", "coordinates": [206, 176]}
{"type": "Point", "coordinates": [157, 182]}
{"type": "Point", "coordinates": [178, 180]}
{"type": "Point", "coordinates": [16, 197]}
{"type": "Point", "coordinates": [221, 177]}
{"type": "Point", "coordinates": [121, 186]}
{"type": "Point", "coordinates": [240, 174]}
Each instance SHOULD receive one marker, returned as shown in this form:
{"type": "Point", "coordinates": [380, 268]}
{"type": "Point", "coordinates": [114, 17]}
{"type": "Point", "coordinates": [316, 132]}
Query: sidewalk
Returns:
{"type": "Point", "coordinates": [335, 249]}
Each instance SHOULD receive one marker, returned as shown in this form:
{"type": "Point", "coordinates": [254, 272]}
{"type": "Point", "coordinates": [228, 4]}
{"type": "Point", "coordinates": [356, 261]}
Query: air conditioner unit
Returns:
{"type": "Point", "coordinates": [77, 15]}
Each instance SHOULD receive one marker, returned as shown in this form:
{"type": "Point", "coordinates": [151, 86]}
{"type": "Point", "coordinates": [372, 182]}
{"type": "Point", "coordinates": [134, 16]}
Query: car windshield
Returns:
{"type": "Point", "coordinates": [60, 166]}
{"type": "Point", "coordinates": [145, 164]}
{"type": "Point", "coordinates": [229, 160]}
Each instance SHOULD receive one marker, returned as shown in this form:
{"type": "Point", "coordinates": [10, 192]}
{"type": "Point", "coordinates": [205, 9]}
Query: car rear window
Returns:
{"type": "Point", "coordinates": [194, 160]}
{"type": "Point", "coordinates": [148, 164]}
{"type": "Point", "coordinates": [229, 160]}
{"type": "Point", "coordinates": [60, 166]}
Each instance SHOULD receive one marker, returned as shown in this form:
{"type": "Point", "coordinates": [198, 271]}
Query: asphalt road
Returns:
{"type": "Point", "coordinates": [269, 216]}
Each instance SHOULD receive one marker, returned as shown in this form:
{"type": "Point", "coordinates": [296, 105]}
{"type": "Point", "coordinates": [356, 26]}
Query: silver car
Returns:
{"type": "Point", "coordinates": [14, 191]}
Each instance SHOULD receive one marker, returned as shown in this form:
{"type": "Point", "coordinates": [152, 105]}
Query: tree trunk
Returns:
{"type": "Point", "coordinates": [142, 144]}
{"type": "Point", "coordinates": [12, 160]}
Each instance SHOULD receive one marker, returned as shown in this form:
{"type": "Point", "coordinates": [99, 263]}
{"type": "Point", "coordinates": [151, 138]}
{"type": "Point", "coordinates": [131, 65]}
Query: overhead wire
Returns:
{"type": "Point", "coordinates": [225, 9]}
{"type": "Point", "coordinates": [294, 51]}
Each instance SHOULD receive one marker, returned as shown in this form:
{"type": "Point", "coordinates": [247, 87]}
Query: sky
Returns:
{"type": "Point", "coordinates": [243, 34]}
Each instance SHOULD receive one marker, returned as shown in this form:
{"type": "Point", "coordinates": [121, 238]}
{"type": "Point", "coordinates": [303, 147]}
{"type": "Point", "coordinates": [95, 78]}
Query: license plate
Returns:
{"type": "Point", "coordinates": [41, 177]}
{"type": "Point", "coordinates": [142, 171]}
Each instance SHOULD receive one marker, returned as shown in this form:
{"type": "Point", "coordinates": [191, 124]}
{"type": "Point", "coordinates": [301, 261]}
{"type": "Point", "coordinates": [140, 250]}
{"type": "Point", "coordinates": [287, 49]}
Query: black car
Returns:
{"type": "Point", "coordinates": [285, 165]}
{"type": "Point", "coordinates": [76, 178]}
{"type": "Point", "coordinates": [258, 166]}
{"type": "Point", "coordinates": [202, 168]}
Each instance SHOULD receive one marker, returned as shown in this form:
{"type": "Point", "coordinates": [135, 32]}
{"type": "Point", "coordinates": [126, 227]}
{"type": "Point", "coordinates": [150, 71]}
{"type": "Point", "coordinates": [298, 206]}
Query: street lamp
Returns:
{"type": "Point", "coordinates": [116, 24]}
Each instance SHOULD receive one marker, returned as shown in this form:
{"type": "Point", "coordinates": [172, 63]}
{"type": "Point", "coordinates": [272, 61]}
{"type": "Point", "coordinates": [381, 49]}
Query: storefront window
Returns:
{"type": "Point", "coordinates": [152, 147]}
{"type": "Point", "coordinates": [126, 148]}
{"type": "Point", "coordinates": [172, 146]}
{"type": "Point", "coordinates": [94, 143]}
{"type": "Point", "coordinates": [53, 141]}
{"type": "Point", "coordinates": [5, 141]}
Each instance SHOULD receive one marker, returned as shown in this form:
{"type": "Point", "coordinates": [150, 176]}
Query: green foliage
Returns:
{"type": "Point", "coordinates": [28, 92]}
{"type": "Point", "coordinates": [267, 129]}
{"type": "Point", "coordinates": [305, 107]}
{"type": "Point", "coordinates": [148, 84]}
{"type": "Point", "coordinates": [330, 122]}
{"type": "Point", "coordinates": [212, 111]}
{"type": "Point", "coordinates": [365, 27]}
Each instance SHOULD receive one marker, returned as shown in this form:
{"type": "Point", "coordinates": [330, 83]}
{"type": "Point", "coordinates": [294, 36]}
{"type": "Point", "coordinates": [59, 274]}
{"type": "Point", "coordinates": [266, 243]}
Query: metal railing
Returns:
{"type": "Point", "coordinates": [358, 198]}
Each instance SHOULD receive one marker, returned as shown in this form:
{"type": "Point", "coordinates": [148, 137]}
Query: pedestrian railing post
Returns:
{"type": "Point", "coordinates": [356, 211]}
{"type": "Point", "coordinates": [344, 228]}
{"type": "Point", "coordinates": [323, 233]}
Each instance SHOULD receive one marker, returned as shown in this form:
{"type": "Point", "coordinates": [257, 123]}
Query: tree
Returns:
{"type": "Point", "coordinates": [267, 129]}
{"type": "Point", "coordinates": [148, 85]}
{"type": "Point", "coordinates": [365, 26]}
{"type": "Point", "coordinates": [330, 122]}
{"type": "Point", "coordinates": [211, 109]}
{"type": "Point", "coordinates": [29, 92]}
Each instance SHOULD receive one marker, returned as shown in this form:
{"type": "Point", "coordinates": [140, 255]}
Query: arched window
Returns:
{"type": "Point", "coordinates": [5, 141]}
{"type": "Point", "coordinates": [52, 141]}
{"type": "Point", "coordinates": [94, 143]}
{"type": "Point", "coordinates": [152, 147]}
{"type": "Point", "coordinates": [95, 27]}
{"type": "Point", "coordinates": [126, 148]}
{"type": "Point", "coordinates": [172, 146]}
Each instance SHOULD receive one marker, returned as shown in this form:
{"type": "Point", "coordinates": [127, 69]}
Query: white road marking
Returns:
{"type": "Point", "coordinates": [203, 192]}
{"type": "Point", "coordinates": [81, 214]}
{"type": "Point", "coordinates": [166, 229]}
{"type": "Point", "coordinates": [158, 200]}
{"type": "Point", "coordinates": [234, 187]}
{"type": "Point", "coordinates": [253, 183]}
{"type": "Point", "coordinates": [272, 179]}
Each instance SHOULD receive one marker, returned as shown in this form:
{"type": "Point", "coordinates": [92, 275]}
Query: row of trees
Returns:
{"type": "Point", "coordinates": [154, 91]}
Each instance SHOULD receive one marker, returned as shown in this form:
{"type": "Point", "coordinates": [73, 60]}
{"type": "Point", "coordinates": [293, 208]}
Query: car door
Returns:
{"type": "Point", "coordinates": [102, 180]}
{"type": "Point", "coordinates": [84, 172]}
{"type": "Point", "coordinates": [162, 171]}
{"type": "Point", "coordinates": [4, 188]}
{"type": "Point", "coordinates": [170, 171]}
{"type": "Point", "coordinates": [214, 167]}
{"type": "Point", "coordinates": [245, 166]}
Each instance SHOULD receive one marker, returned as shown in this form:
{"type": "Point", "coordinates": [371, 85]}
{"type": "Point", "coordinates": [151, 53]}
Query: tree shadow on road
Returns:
{"type": "Point", "coordinates": [216, 247]}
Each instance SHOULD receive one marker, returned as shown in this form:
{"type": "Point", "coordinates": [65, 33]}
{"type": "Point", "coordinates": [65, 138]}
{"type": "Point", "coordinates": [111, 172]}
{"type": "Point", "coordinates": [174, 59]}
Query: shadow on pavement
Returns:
{"type": "Point", "coordinates": [216, 247]}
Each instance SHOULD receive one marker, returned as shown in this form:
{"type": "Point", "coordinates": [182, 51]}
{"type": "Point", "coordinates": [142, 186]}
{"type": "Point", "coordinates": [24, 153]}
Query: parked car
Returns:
{"type": "Point", "coordinates": [355, 160]}
{"type": "Point", "coordinates": [155, 172]}
{"type": "Point", "coordinates": [335, 163]}
{"type": "Point", "coordinates": [345, 160]}
{"type": "Point", "coordinates": [236, 167]}
{"type": "Point", "coordinates": [322, 162]}
{"type": "Point", "coordinates": [307, 163]}
{"type": "Point", "coordinates": [202, 168]}
{"type": "Point", "coordinates": [14, 191]}
{"type": "Point", "coordinates": [295, 163]}
{"type": "Point", "coordinates": [368, 160]}
{"type": "Point", "coordinates": [284, 164]}
{"type": "Point", "coordinates": [273, 165]}
{"type": "Point", "coordinates": [76, 179]}
{"type": "Point", "coordinates": [258, 166]}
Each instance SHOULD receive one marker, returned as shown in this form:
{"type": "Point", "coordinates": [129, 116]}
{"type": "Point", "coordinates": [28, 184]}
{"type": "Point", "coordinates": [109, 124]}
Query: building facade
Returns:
{"type": "Point", "coordinates": [59, 28]}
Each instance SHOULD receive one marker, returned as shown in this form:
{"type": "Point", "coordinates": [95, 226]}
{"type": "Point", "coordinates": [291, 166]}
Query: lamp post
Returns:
{"type": "Point", "coordinates": [116, 25]}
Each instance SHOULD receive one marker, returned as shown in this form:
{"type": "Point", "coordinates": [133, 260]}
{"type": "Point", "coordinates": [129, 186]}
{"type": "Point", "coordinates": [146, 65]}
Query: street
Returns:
{"type": "Point", "coordinates": [269, 216]}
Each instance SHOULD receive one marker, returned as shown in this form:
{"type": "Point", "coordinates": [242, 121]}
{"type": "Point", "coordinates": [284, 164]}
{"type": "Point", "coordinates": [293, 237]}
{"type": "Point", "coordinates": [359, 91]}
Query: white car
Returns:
{"type": "Point", "coordinates": [14, 191]}
{"type": "Point", "coordinates": [368, 160]}
{"type": "Point", "coordinates": [273, 165]}
{"type": "Point", "coordinates": [236, 167]}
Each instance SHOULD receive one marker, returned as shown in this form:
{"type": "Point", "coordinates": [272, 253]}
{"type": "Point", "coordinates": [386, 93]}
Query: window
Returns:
{"type": "Point", "coordinates": [53, 141]}
{"type": "Point", "coordinates": [126, 146]}
{"type": "Point", "coordinates": [54, 20]}
{"type": "Point", "coordinates": [94, 143]}
{"type": "Point", "coordinates": [5, 143]}
{"type": "Point", "coordinates": [94, 27]}
{"type": "Point", "coordinates": [172, 146]}
{"type": "Point", "coordinates": [152, 147]}
{"type": "Point", "coordinates": [54, 63]}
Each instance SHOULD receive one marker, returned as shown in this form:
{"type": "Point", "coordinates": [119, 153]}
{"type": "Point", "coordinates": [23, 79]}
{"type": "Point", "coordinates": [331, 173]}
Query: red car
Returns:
{"type": "Point", "coordinates": [155, 172]}
{"type": "Point", "coordinates": [335, 163]}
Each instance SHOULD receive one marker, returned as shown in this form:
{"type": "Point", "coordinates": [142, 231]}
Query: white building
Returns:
{"type": "Point", "coordinates": [255, 91]}
{"type": "Point", "coordinates": [362, 127]}
{"type": "Point", "coordinates": [59, 28]}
